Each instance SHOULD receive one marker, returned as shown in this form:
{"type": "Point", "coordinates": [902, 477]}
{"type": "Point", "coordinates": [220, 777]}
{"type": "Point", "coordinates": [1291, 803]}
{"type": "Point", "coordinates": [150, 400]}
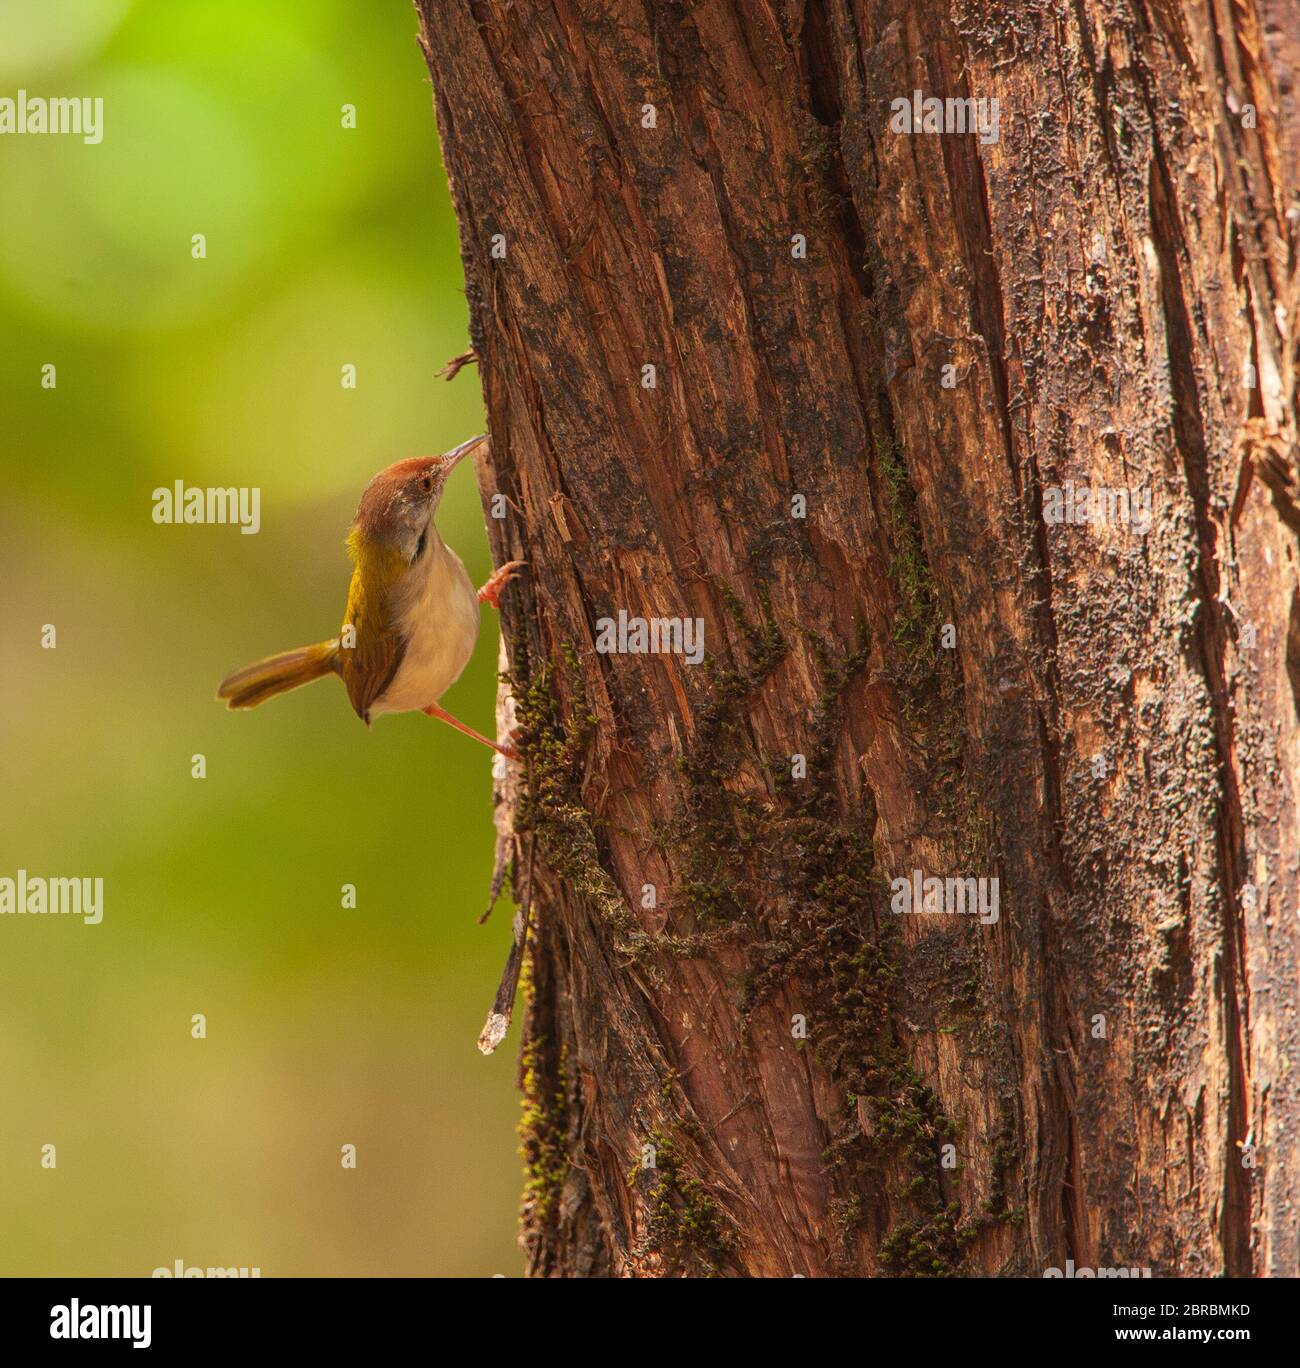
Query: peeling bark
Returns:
{"type": "Point", "coordinates": [1113, 735]}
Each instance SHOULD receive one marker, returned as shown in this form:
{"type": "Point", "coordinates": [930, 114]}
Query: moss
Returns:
{"type": "Point", "coordinates": [818, 157]}
{"type": "Point", "coordinates": [827, 937]}
{"type": "Point", "coordinates": [928, 1247]}
{"type": "Point", "coordinates": [550, 803]}
{"type": "Point", "coordinates": [549, 809]}
{"type": "Point", "coordinates": [942, 982]}
{"type": "Point", "coordinates": [906, 1126]}
{"type": "Point", "coordinates": [686, 1226]}
{"type": "Point", "coordinates": [1006, 1158]}
{"type": "Point", "coordinates": [737, 851]}
{"type": "Point", "coordinates": [792, 878]}
{"type": "Point", "coordinates": [916, 624]}
{"type": "Point", "coordinates": [715, 830]}
{"type": "Point", "coordinates": [893, 1123]}
{"type": "Point", "coordinates": [925, 675]}
{"type": "Point", "coordinates": [543, 1128]}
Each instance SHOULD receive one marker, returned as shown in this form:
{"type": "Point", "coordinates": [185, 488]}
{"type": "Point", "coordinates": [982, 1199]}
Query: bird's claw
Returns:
{"type": "Point", "coordinates": [497, 581]}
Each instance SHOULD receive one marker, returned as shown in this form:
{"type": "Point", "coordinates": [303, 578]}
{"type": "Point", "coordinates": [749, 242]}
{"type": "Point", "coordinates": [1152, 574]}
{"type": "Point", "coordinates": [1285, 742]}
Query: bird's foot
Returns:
{"type": "Point", "coordinates": [497, 581]}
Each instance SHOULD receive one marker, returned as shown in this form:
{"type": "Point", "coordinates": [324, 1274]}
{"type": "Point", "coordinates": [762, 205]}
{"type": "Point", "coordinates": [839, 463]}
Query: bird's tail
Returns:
{"type": "Point", "coordinates": [277, 674]}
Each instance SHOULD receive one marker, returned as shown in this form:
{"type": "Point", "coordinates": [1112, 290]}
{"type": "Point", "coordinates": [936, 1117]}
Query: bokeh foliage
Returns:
{"type": "Point", "coordinates": [326, 1026]}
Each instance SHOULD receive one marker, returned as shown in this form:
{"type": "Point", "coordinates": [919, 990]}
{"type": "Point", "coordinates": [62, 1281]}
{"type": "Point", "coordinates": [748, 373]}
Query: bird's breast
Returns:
{"type": "Point", "coordinates": [438, 613]}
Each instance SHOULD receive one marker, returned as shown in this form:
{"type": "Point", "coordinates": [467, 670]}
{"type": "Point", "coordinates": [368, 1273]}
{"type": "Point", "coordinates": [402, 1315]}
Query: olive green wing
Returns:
{"type": "Point", "coordinates": [368, 666]}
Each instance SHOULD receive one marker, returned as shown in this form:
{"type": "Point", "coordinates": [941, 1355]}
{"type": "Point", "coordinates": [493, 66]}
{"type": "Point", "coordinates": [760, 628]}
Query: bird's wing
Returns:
{"type": "Point", "coordinates": [368, 668]}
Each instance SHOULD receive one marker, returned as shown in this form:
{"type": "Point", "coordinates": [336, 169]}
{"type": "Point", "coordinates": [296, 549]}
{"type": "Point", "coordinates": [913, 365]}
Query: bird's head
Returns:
{"type": "Point", "coordinates": [395, 516]}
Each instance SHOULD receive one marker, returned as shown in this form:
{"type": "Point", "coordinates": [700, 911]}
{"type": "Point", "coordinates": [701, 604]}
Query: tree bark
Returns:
{"type": "Point", "coordinates": [738, 1057]}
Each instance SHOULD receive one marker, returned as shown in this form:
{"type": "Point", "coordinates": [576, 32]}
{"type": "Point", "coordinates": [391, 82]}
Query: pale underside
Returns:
{"type": "Point", "coordinates": [438, 615]}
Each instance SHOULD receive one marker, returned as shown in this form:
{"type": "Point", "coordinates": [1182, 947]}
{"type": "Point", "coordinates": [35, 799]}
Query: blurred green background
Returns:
{"type": "Point", "coordinates": [326, 246]}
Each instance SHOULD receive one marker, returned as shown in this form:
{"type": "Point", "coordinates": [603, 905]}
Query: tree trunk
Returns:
{"type": "Point", "coordinates": [886, 364]}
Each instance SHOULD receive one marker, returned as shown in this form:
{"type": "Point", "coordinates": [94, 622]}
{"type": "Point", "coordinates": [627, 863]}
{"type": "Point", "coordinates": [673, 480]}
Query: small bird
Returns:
{"type": "Point", "coordinates": [412, 616]}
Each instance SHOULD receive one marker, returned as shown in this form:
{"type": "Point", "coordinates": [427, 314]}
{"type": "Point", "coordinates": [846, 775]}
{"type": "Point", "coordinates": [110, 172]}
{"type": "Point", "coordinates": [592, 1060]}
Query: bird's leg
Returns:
{"type": "Point", "coordinates": [457, 363]}
{"type": "Point", "coordinates": [433, 710]}
{"type": "Point", "coordinates": [497, 581]}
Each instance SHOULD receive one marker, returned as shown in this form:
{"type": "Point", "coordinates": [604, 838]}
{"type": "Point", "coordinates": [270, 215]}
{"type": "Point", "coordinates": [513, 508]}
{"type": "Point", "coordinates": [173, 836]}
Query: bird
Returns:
{"type": "Point", "coordinates": [412, 615]}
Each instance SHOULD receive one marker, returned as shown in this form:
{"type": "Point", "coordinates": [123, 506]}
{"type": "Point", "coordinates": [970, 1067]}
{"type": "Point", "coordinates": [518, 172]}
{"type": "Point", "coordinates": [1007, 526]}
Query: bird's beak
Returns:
{"type": "Point", "coordinates": [456, 454]}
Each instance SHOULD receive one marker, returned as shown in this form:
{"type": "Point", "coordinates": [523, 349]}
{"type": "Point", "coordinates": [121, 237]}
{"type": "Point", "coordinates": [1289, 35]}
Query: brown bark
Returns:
{"type": "Point", "coordinates": [1114, 734]}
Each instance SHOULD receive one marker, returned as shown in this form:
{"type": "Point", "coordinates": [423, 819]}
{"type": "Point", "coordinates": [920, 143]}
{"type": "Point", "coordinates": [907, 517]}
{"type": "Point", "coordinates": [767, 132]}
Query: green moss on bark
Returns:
{"type": "Point", "coordinates": [687, 1228]}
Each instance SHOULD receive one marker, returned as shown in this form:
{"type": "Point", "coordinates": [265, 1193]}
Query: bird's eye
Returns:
{"type": "Point", "coordinates": [426, 484]}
